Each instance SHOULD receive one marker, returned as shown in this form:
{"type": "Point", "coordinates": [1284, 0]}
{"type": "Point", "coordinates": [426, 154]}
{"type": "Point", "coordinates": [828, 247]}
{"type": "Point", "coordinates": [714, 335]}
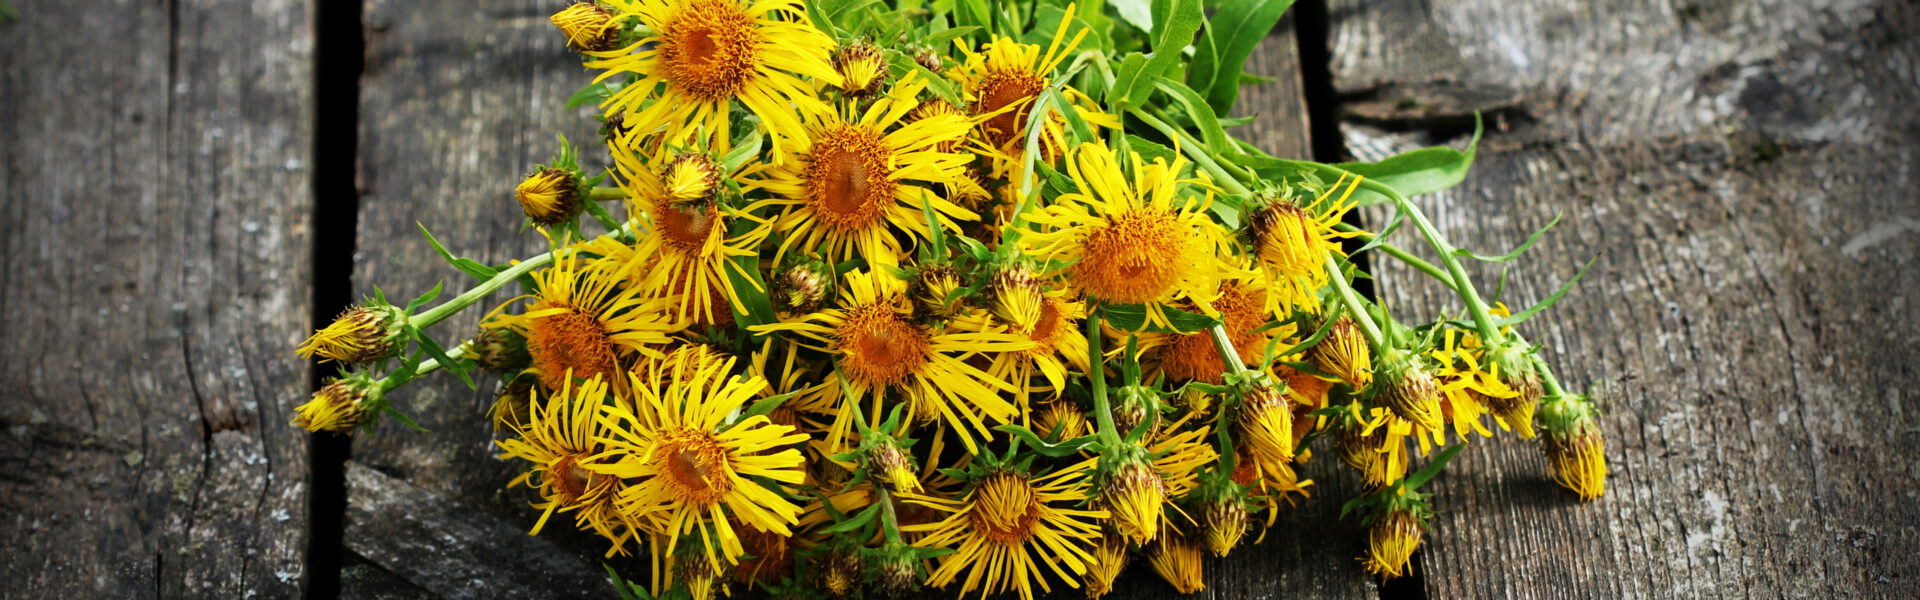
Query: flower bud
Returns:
{"type": "Point", "coordinates": [588, 27]}
{"type": "Point", "coordinates": [498, 350]}
{"type": "Point", "coordinates": [1060, 420]}
{"type": "Point", "coordinates": [1284, 236]}
{"type": "Point", "coordinates": [511, 405]}
{"type": "Point", "coordinates": [1579, 458]}
{"type": "Point", "coordinates": [549, 196]}
{"type": "Point", "coordinates": [1344, 354]}
{"type": "Point", "coordinates": [362, 334]}
{"type": "Point", "coordinates": [1516, 411]}
{"type": "Point", "coordinates": [691, 178]}
{"type": "Point", "coordinates": [1409, 390]}
{"type": "Point", "coordinates": [886, 462]}
{"type": "Point", "coordinates": [1225, 522]}
{"type": "Point", "coordinates": [1264, 423]}
{"type": "Point", "coordinates": [862, 68]}
{"type": "Point", "coordinates": [1133, 405]}
{"type": "Point", "coordinates": [840, 575]}
{"type": "Point", "coordinates": [928, 59]}
{"type": "Point", "coordinates": [932, 292]}
{"type": "Point", "coordinates": [1108, 559]}
{"type": "Point", "coordinates": [897, 574]}
{"type": "Point", "coordinates": [1177, 560]}
{"type": "Point", "coordinates": [696, 573]}
{"type": "Point", "coordinates": [1134, 495]}
{"type": "Point", "coordinates": [343, 404]}
{"type": "Point", "coordinates": [1391, 541]}
{"type": "Point", "coordinates": [801, 289]}
{"type": "Point", "coordinates": [1017, 298]}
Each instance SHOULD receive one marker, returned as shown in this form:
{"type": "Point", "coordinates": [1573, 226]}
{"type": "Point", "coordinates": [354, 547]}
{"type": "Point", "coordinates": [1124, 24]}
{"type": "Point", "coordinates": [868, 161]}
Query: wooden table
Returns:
{"type": "Point", "coordinates": [1743, 171]}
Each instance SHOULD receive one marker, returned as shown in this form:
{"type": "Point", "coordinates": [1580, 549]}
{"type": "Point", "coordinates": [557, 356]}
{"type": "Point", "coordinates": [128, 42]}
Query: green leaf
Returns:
{"type": "Point", "coordinates": [469, 266]}
{"type": "Point", "coordinates": [1081, 130]}
{"type": "Point", "coordinates": [600, 214]}
{"type": "Point", "coordinates": [1065, 448]}
{"type": "Point", "coordinates": [1427, 473]}
{"type": "Point", "coordinates": [402, 418]}
{"type": "Point", "coordinates": [1359, 503]}
{"type": "Point", "coordinates": [427, 297]}
{"type": "Point", "coordinates": [1138, 13]}
{"type": "Point", "coordinates": [1218, 144]}
{"type": "Point", "coordinates": [1422, 171]}
{"type": "Point", "coordinates": [742, 152]}
{"type": "Point", "coordinates": [1127, 76]}
{"type": "Point", "coordinates": [939, 41]}
{"type": "Point", "coordinates": [766, 406]}
{"type": "Point", "coordinates": [621, 587]}
{"type": "Point", "coordinates": [1174, 23]}
{"type": "Point", "coordinates": [1236, 28]}
{"type": "Point", "coordinates": [973, 13]}
{"type": "Point", "coordinates": [1531, 240]}
{"type": "Point", "coordinates": [1149, 149]}
{"type": "Point", "coordinates": [439, 355]}
{"type": "Point", "coordinates": [1522, 316]}
{"type": "Point", "coordinates": [859, 520]}
{"type": "Point", "coordinates": [593, 93]}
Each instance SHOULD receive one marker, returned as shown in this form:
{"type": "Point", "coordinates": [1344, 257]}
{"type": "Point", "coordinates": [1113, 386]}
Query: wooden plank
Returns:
{"type": "Point", "coordinates": [1743, 178]}
{"type": "Point", "coordinates": [154, 284]}
{"type": "Point", "coordinates": [459, 101]}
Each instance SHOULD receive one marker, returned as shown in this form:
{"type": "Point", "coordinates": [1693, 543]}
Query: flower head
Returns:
{"type": "Point", "coordinates": [862, 68]}
{"type": "Point", "coordinates": [1344, 354]}
{"type": "Point", "coordinates": [1391, 541]}
{"type": "Point", "coordinates": [578, 323]}
{"type": "Point", "coordinates": [366, 333]}
{"type": "Point", "coordinates": [1575, 449]}
{"type": "Point", "coordinates": [341, 405]}
{"type": "Point", "coordinates": [561, 440]}
{"type": "Point", "coordinates": [1407, 388]}
{"type": "Point", "coordinates": [1177, 560]}
{"type": "Point", "coordinates": [588, 27]}
{"type": "Point", "coordinates": [549, 196]}
{"type": "Point", "coordinates": [1293, 237]}
{"type": "Point", "coordinates": [1006, 526]}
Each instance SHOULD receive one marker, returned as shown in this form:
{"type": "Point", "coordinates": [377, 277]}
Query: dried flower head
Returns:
{"type": "Point", "coordinates": [1177, 560]}
{"type": "Point", "coordinates": [1579, 458]}
{"type": "Point", "coordinates": [1409, 390]}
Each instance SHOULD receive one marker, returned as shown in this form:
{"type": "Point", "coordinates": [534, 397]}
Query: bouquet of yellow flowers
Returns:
{"type": "Point", "coordinates": [915, 294]}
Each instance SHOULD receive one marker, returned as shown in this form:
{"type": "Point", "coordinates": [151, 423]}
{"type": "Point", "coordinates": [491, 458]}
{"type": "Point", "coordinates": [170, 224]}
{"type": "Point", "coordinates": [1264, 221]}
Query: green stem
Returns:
{"type": "Point", "coordinates": [467, 298]}
{"type": "Point", "coordinates": [1196, 151]}
{"type": "Point", "coordinates": [388, 383]}
{"type": "Point", "coordinates": [1483, 321]}
{"type": "Point", "coordinates": [1224, 346]}
{"type": "Point", "coordinates": [1352, 300]}
{"type": "Point", "coordinates": [1400, 254]}
{"type": "Point", "coordinates": [607, 194]}
{"type": "Point", "coordinates": [1187, 140]}
{"type": "Point", "coordinates": [888, 521]}
{"type": "Point", "coordinates": [1102, 410]}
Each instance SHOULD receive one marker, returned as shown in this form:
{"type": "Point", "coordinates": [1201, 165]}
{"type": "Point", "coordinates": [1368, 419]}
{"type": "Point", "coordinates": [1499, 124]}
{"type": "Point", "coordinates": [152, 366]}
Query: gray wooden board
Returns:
{"type": "Point", "coordinates": [1744, 174]}
{"type": "Point", "coordinates": [153, 282]}
{"type": "Point", "coordinates": [458, 101]}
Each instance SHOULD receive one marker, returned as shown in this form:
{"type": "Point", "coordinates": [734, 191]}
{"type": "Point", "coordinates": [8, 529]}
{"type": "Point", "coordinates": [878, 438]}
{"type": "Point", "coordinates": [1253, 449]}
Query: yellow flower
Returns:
{"type": "Point", "coordinates": [1109, 557]}
{"type": "Point", "coordinates": [1177, 560]}
{"type": "Point", "coordinates": [363, 334]}
{"type": "Point", "coordinates": [1579, 459]}
{"type": "Point", "coordinates": [561, 439]}
{"type": "Point", "coordinates": [588, 27]}
{"type": "Point", "coordinates": [703, 55]}
{"type": "Point", "coordinates": [1292, 240]}
{"type": "Point", "coordinates": [879, 351]}
{"type": "Point", "coordinates": [1006, 527]}
{"type": "Point", "coordinates": [1060, 419]}
{"type": "Point", "coordinates": [549, 196]}
{"type": "Point", "coordinates": [1374, 444]}
{"type": "Point", "coordinates": [689, 468]}
{"type": "Point", "coordinates": [682, 237]}
{"type": "Point", "coordinates": [578, 322]}
{"type": "Point", "coordinates": [848, 195]}
{"type": "Point", "coordinates": [862, 68]}
{"type": "Point", "coordinates": [1264, 423]}
{"type": "Point", "coordinates": [1138, 241]}
{"type": "Point", "coordinates": [1391, 541]}
{"type": "Point", "coordinates": [343, 404]}
{"type": "Point", "coordinates": [1059, 346]}
{"type": "Point", "coordinates": [1004, 78]}
{"type": "Point", "coordinates": [1344, 354]}
{"type": "Point", "coordinates": [1136, 491]}
{"type": "Point", "coordinates": [1406, 388]}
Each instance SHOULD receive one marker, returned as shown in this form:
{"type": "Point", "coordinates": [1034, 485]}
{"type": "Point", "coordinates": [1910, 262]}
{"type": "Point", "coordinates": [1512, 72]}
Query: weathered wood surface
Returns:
{"type": "Point", "coordinates": [154, 280]}
{"type": "Point", "coordinates": [458, 101]}
{"type": "Point", "coordinates": [1744, 173]}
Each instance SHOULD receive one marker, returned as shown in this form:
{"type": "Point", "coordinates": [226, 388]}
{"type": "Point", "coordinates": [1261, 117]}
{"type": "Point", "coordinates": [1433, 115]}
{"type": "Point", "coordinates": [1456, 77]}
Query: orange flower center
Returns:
{"type": "Point", "coordinates": [695, 466]}
{"type": "Point", "coordinates": [684, 227]}
{"type": "Point", "coordinates": [569, 340]}
{"type": "Point", "coordinates": [1005, 509]}
{"type": "Point", "coordinates": [710, 49]}
{"type": "Point", "coordinates": [570, 479]}
{"type": "Point", "coordinates": [849, 182]}
{"type": "Point", "coordinates": [1000, 89]}
{"type": "Point", "coordinates": [877, 347]}
{"type": "Point", "coordinates": [1192, 356]}
{"type": "Point", "coordinates": [1136, 258]}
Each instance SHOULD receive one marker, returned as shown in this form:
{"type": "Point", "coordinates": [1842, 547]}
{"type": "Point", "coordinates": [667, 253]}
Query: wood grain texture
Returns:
{"type": "Point", "coordinates": [458, 101]}
{"type": "Point", "coordinates": [1743, 173]}
{"type": "Point", "coordinates": [154, 284]}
